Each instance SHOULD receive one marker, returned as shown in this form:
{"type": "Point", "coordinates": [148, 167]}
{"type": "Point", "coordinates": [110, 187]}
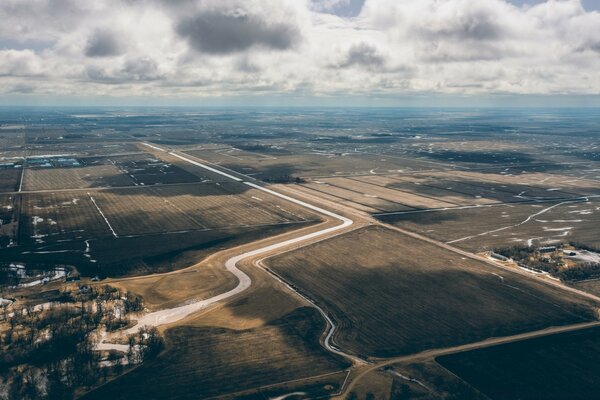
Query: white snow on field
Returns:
{"type": "Point", "coordinates": [585, 256]}
{"type": "Point", "coordinates": [566, 228]}
{"type": "Point", "coordinates": [58, 273]}
{"type": "Point", "coordinates": [5, 302]}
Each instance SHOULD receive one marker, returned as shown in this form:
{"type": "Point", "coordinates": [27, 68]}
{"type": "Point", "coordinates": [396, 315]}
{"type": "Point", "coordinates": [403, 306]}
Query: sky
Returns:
{"type": "Point", "coordinates": [300, 52]}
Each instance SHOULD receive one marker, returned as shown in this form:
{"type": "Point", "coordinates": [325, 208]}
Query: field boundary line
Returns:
{"type": "Point", "coordinates": [103, 216]}
{"type": "Point", "coordinates": [22, 175]}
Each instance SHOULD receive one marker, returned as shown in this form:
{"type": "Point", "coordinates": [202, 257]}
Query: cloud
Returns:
{"type": "Point", "coordinates": [343, 8]}
{"type": "Point", "coordinates": [103, 43]}
{"type": "Point", "coordinates": [225, 32]}
{"type": "Point", "coordinates": [290, 47]}
{"type": "Point", "coordinates": [363, 55]}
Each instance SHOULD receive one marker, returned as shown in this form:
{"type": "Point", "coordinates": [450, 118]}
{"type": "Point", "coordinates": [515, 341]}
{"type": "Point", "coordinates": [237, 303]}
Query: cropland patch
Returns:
{"type": "Point", "coordinates": [93, 174]}
{"type": "Point", "coordinates": [485, 228]}
{"type": "Point", "coordinates": [562, 366]}
{"type": "Point", "coordinates": [392, 294]}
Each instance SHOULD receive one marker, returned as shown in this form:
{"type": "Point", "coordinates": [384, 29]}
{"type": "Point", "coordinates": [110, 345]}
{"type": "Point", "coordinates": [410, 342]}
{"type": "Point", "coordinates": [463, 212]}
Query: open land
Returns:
{"type": "Point", "coordinates": [165, 203]}
{"type": "Point", "coordinates": [553, 367]}
{"type": "Point", "coordinates": [383, 298]}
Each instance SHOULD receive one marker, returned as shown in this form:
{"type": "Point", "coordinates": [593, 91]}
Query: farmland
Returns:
{"type": "Point", "coordinates": [382, 297]}
{"type": "Point", "coordinates": [207, 362]}
{"type": "Point", "coordinates": [552, 367]}
{"type": "Point", "coordinates": [483, 228]}
{"type": "Point", "coordinates": [80, 226]}
{"type": "Point", "coordinates": [159, 205]}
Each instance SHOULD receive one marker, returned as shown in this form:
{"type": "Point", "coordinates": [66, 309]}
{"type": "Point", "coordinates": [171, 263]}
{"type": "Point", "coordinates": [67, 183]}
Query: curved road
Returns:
{"type": "Point", "coordinates": [171, 315]}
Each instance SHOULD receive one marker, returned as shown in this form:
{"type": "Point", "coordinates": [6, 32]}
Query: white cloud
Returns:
{"type": "Point", "coordinates": [233, 47]}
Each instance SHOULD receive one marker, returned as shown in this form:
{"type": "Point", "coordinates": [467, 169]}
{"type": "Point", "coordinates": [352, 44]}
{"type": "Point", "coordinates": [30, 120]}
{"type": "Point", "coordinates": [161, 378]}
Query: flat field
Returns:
{"type": "Point", "coordinates": [305, 163]}
{"type": "Point", "coordinates": [484, 228]}
{"type": "Point", "coordinates": [392, 294]}
{"type": "Point", "coordinates": [99, 175]}
{"type": "Point", "coordinates": [193, 207]}
{"type": "Point", "coordinates": [9, 179]}
{"type": "Point", "coordinates": [207, 362]}
{"type": "Point", "coordinates": [145, 169]}
{"type": "Point", "coordinates": [149, 210]}
{"type": "Point", "coordinates": [562, 366]}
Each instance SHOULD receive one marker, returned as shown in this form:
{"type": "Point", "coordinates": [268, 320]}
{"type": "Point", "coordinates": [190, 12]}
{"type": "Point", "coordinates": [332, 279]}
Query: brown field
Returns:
{"type": "Point", "coordinates": [104, 175]}
{"type": "Point", "coordinates": [392, 294]}
{"type": "Point", "coordinates": [364, 201]}
{"type": "Point", "coordinates": [206, 362]}
{"type": "Point", "coordinates": [193, 207]}
{"type": "Point", "coordinates": [150, 210]}
{"type": "Point", "coordinates": [562, 366]}
{"type": "Point", "coordinates": [403, 198]}
{"type": "Point", "coordinates": [570, 221]}
{"type": "Point", "coordinates": [431, 190]}
{"type": "Point", "coordinates": [9, 179]}
{"type": "Point", "coordinates": [52, 217]}
{"type": "Point", "coordinates": [144, 169]}
{"type": "Point", "coordinates": [310, 164]}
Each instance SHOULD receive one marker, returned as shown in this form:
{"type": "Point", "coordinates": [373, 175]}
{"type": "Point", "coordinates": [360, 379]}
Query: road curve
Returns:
{"type": "Point", "coordinates": [171, 315]}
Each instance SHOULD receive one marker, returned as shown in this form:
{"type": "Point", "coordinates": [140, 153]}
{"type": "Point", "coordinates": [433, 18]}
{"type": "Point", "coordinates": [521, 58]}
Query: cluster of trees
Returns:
{"type": "Point", "coordinates": [284, 179]}
{"type": "Point", "coordinates": [583, 246]}
{"type": "Point", "coordinates": [580, 272]}
{"type": "Point", "coordinates": [144, 345]}
{"type": "Point", "coordinates": [531, 257]}
{"type": "Point", "coordinates": [47, 355]}
{"type": "Point", "coordinates": [552, 263]}
{"type": "Point", "coordinates": [50, 354]}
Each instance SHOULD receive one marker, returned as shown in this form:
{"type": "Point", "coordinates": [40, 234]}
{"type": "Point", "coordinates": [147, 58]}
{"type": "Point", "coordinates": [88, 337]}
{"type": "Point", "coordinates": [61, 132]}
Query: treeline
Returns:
{"type": "Point", "coordinates": [583, 246]}
{"type": "Point", "coordinates": [580, 272]}
{"type": "Point", "coordinates": [530, 257]}
{"type": "Point", "coordinates": [284, 179]}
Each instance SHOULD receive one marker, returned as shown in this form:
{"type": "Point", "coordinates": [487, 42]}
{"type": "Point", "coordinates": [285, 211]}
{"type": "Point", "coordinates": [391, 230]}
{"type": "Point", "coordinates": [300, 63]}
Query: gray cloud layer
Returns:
{"type": "Point", "coordinates": [230, 47]}
{"type": "Point", "coordinates": [103, 44]}
{"type": "Point", "coordinates": [224, 33]}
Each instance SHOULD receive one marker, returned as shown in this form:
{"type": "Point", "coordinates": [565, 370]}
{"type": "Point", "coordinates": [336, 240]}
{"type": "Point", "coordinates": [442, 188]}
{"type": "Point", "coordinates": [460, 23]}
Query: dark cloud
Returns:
{"type": "Point", "coordinates": [133, 70]}
{"type": "Point", "coordinates": [141, 69]}
{"type": "Point", "coordinates": [225, 33]}
{"type": "Point", "coordinates": [474, 25]}
{"type": "Point", "coordinates": [103, 44]}
{"type": "Point", "coordinates": [363, 55]}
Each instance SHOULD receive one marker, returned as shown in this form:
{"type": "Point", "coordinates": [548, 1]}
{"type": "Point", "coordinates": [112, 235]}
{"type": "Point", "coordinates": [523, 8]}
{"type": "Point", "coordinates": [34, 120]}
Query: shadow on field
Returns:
{"type": "Point", "coordinates": [392, 295]}
{"type": "Point", "coordinates": [206, 362]}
